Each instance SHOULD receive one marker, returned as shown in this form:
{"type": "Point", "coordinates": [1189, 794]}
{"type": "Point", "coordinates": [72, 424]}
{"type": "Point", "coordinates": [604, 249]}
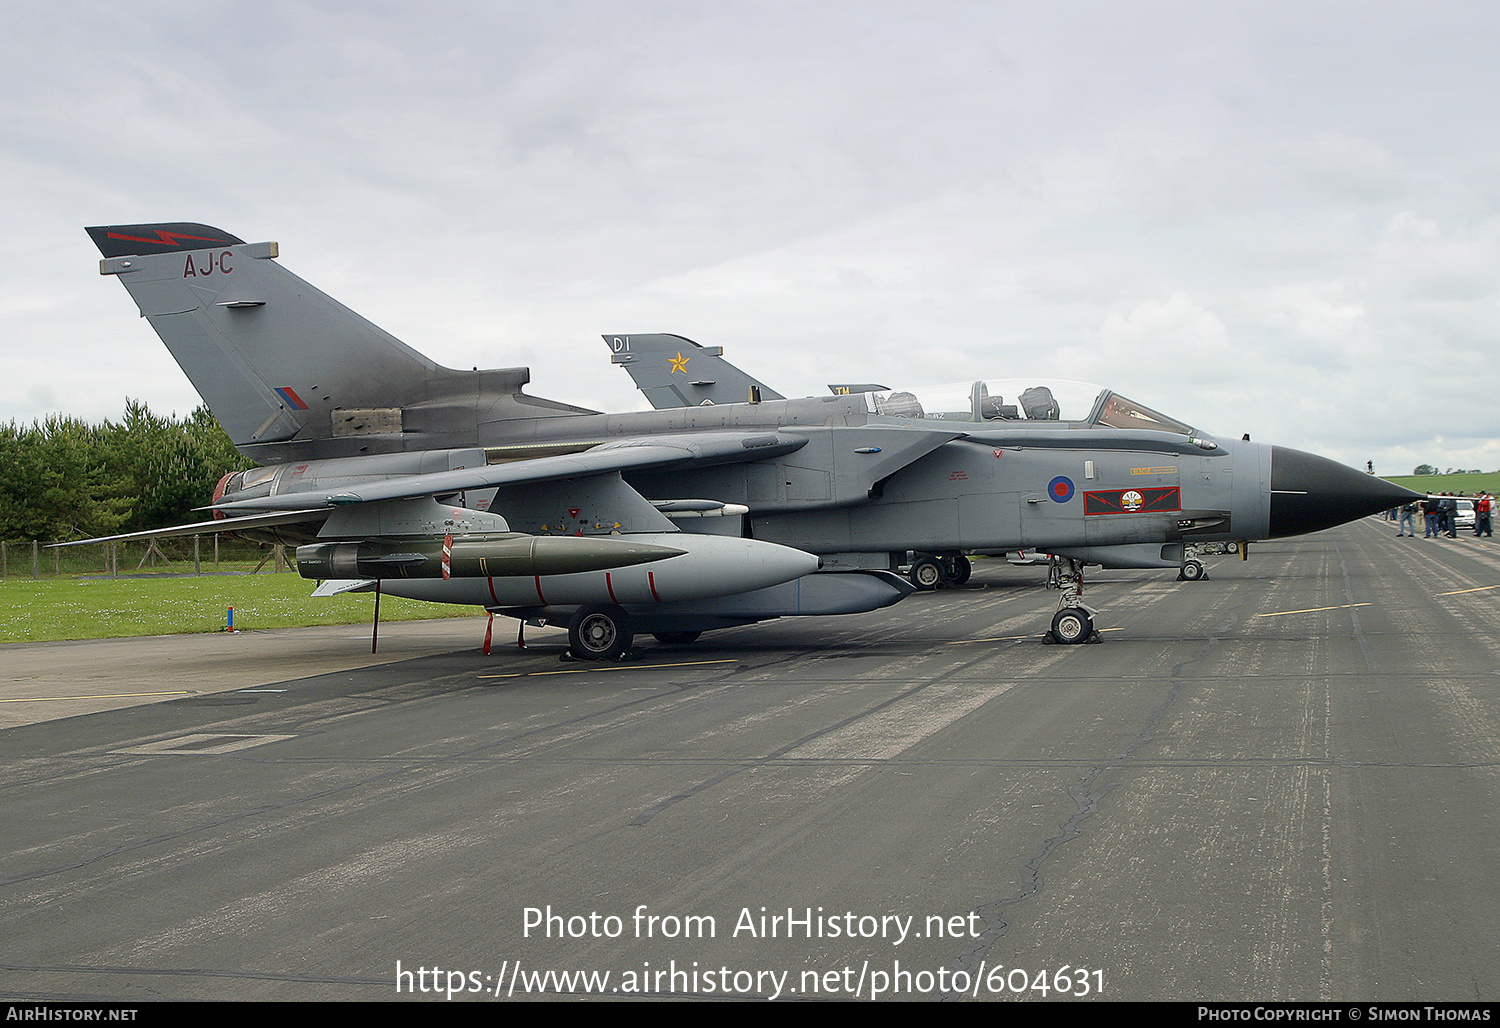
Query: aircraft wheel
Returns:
{"type": "Point", "coordinates": [926, 574]}
{"type": "Point", "coordinates": [1192, 570]}
{"type": "Point", "coordinates": [958, 568]}
{"type": "Point", "coordinates": [676, 638]}
{"type": "Point", "coordinates": [599, 633]}
{"type": "Point", "coordinates": [1231, 547]}
{"type": "Point", "coordinates": [1072, 625]}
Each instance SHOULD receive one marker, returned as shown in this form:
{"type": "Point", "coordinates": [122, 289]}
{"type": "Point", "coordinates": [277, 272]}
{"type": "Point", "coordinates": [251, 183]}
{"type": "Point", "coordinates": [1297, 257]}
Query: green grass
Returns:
{"type": "Point", "coordinates": [1470, 484]}
{"type": "Point", "coordinates": [84, 608]}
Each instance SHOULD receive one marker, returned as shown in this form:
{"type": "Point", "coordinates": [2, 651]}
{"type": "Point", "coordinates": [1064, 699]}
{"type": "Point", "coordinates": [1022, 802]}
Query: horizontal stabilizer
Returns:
{"type": "Point", "coordinates": [211, 527]}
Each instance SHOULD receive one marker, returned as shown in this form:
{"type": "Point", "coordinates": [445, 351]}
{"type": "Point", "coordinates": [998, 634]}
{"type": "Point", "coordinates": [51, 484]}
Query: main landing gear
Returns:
{"type": "Point", "coordinates": [931, 571]}
{"type": "Point", "coordinates": [603, 632]}
{"type": "Point", "coordinates": [599, 632]}
{"type": "Point", "coordinates": [1074, 620]}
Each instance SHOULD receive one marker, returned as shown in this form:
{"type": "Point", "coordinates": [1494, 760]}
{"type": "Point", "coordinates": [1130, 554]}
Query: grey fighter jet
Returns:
{"type": "Point", "coordinates": [392, 473]}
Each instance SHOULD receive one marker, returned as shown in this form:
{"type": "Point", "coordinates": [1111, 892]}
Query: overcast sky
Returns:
{"type": "Point", "coordinates": [1263, 217]}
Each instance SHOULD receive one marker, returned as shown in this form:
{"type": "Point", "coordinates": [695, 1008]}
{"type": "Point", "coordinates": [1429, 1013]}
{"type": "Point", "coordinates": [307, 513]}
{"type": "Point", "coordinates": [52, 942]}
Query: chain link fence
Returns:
{"type": "Point", "coordinates": [196, 555]}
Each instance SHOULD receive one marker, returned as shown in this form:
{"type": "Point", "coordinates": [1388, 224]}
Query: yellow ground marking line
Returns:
{"type": "Point", "coordinates": [617, 667]}
{"type": "Point", "coordinates": [1480, 589]}
{"type": "Point", "coordinates": [1013, 638]}
{"type": "Point", "coordinates": [1314, 610]}
{"type": "Point", "coordinates": [101, 696]}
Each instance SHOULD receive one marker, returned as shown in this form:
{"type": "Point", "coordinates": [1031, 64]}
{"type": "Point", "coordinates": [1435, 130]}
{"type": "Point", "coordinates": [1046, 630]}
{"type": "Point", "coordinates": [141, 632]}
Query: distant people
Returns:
{"type": "Point", "coordinates": [1450, 516]}
{"type": "Point", "coordinates": [1482, 504]}
{"type": "Point", "coordinates": [1431, 517]}
{"type": "Point", "coordinates": [1407, 514]}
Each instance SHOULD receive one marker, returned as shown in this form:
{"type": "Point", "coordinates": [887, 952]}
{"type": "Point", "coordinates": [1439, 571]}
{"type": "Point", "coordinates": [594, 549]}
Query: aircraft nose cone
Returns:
{"type": "Point", "coordinates": [1311, 493]}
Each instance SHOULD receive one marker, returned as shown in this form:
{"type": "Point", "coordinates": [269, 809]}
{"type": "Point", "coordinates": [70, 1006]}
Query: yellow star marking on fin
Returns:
{"type": "Point", "coordinates": [679, 363]}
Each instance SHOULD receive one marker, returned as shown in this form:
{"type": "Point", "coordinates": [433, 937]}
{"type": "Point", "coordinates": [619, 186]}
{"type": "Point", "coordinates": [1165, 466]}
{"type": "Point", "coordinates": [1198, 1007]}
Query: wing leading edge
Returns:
{"type": "Point", "coordinates": [658, 453]}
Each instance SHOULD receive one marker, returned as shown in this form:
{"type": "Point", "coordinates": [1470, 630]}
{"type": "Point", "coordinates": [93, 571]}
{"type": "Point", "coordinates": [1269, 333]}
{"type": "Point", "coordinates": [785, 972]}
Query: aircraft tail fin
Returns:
{"type": "Point", "coordinates": [673, 371]}
{"type": "Point", "coordinates": [288, 371]}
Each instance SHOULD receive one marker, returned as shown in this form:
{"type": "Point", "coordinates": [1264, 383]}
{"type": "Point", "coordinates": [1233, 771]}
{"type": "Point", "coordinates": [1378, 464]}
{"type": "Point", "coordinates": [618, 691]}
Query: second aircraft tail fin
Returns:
{"type": "Point", "coordinates": [673, 371]}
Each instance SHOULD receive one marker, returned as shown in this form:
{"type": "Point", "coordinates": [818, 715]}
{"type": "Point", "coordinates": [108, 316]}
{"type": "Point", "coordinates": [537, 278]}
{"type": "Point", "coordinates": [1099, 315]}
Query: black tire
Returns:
{"type": "Point", "coordinates": [676, 638]}
{"type": "Point", "coordinates": [958, 569]}
{"type": "Point", "coordinates": [1192, 570]}
{"type": "Point", "coordinates": [599, 633]}
{"type": "Point", "coordinates": [1072, 625]}
{"type": "Point", "coordinates": [926, 574]}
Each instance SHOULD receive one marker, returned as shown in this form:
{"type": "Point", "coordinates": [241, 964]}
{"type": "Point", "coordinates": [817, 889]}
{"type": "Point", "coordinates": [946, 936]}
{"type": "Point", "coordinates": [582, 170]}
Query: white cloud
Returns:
{"type": "Point", "coordinates": [1276, 216]}
{"type": "Point", "coordinates": [1174, 329]}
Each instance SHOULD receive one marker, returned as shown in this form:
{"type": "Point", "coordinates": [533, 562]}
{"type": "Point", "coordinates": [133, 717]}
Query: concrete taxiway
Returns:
{"type": "Point", "coordinates": [1279, 783]}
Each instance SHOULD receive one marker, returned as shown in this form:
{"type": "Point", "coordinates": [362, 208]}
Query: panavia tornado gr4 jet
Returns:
{"type": "Point", "coordinates": [391, 473]}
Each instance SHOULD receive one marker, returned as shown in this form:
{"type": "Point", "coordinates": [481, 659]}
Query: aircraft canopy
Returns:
{"type": "Point", "coordinates": [1016, 399]}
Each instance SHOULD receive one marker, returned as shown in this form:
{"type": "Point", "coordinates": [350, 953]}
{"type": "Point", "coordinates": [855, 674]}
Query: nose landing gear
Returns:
{"type": "Point", "coordinates": [1074, 621]}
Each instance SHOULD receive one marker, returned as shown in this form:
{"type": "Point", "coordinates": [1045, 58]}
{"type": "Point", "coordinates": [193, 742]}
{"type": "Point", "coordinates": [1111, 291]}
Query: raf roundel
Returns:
{"type": "Point", "coordinates": [1060, 489]}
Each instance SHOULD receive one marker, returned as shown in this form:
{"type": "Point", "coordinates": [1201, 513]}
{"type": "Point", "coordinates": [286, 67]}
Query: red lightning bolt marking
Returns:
{"type": "Point", "coordinates": [164, 237]}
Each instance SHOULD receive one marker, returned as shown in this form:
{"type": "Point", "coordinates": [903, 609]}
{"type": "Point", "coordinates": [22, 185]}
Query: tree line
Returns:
{"type": "Point", "coordinates": [62, 478]}
{"type": "Point", "coordinates": [1428, 469]}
